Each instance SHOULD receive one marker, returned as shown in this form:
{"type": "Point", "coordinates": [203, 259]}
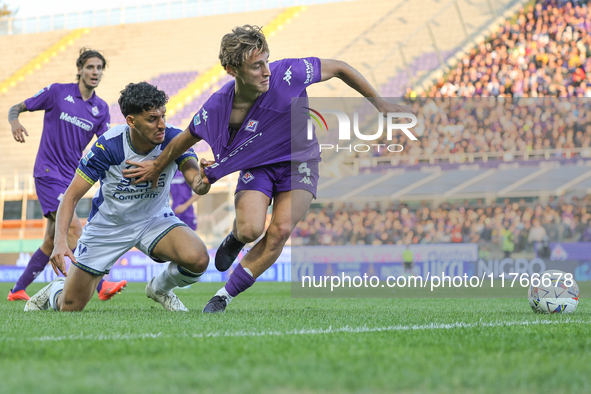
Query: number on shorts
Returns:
{"type": "Point", "coordinates": [303, 168]}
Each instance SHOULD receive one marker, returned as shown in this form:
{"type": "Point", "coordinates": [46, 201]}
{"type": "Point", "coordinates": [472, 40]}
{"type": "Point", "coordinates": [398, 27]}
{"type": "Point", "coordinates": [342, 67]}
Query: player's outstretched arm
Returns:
{"type": "Point", "coordinates": [150, 170]}
{"type": "Point", "coordinates": [195, 175]}
{"type": "Point", "coordinates": [17, 128]}
{"type": "Point", "coordinates": [65, 213]}
{"type": "Point", "coordinates": [335, 68]}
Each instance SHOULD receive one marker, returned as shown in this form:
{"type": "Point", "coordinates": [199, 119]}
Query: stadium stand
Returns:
{"type": "Point", "coordinates": [172, 52]}
{"type": "Point", "coordinates": [533, 144]}
{"type": "Point", "coordinates": [545, 52]}
{"type": "Point", "coordinates": [37, 63]}
{"type": "Point", "coordinates": [479, 222]}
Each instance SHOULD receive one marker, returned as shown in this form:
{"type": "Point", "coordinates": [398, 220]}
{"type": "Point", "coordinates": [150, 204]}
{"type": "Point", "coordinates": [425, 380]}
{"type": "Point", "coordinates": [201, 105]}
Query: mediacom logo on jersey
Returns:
{"type": "Point", "coordinates": [82, 123]}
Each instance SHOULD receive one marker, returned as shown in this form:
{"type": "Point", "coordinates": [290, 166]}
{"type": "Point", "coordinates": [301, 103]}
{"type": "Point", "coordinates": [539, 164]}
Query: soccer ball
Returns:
{"type": "Point", "coordinates": [561, 296]}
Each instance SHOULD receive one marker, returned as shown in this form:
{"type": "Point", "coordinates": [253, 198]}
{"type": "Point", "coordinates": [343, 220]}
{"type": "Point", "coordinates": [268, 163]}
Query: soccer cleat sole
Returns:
{"type": "Point", "coordinates": [224, 258]}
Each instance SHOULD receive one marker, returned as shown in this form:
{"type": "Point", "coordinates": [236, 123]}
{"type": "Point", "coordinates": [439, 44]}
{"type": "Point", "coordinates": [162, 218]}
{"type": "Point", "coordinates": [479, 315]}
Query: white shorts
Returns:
{"type": "Point", "coordinates": [101, 245]}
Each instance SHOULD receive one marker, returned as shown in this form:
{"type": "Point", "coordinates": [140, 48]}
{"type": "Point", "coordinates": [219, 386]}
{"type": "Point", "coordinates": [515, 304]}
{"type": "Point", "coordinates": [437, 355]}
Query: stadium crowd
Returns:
{"type": "Point", "coordinates": [540, 67]}
{"type": "Point", "coordinates": [486, 224]}
{"type": "Point", "coordinates": [511, 126]}
{"type": "Point", "coordinates": [544, 52]}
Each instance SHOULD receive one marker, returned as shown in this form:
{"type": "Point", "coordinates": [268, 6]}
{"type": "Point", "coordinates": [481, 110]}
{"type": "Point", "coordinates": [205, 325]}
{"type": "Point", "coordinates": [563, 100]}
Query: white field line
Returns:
{"type": "Point", "coordinates": [312, 331]}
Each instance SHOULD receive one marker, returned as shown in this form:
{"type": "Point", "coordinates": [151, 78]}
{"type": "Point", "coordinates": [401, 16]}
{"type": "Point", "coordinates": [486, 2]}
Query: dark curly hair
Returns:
{"type": "Point", "coordinates": [85, 54]}
{"type": "Point", "coordinates": [139, 97]}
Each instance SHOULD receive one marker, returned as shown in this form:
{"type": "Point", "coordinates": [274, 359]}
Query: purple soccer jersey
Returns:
{"type": "Point", "coordinates": [267, 135]}
{"type": "Point", "coordinates": [69, 125]}
{"type": "Point", "coordinates": [181, 193]}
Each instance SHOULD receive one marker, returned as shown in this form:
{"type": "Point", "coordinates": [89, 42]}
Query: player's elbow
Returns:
{"type": "Point", "coordinates": [203, 189]}
{"type": "Point", "coordinates": [341, 69]}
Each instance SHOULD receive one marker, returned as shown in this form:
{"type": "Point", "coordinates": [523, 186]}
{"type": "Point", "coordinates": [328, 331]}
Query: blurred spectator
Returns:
{"type": "Point", "coordinates": [545, 52]}
{"type": "Point", "coordinates": [526, 223]}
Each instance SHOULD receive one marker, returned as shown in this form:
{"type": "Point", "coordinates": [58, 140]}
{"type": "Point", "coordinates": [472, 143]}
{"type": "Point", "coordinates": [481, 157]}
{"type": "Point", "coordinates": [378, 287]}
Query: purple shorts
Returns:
{"type": "Point", "coordinates": [280, 177]}
{"type": "Point", "coordinates": [50, 192]}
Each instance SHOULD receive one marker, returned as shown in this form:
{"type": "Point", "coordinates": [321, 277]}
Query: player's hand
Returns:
{"type": "Point", "coordinates": [17, 132]}
{"type": "Point", "coordinates": [180, 209]}
{"type": "Point", "coordinates": [201, 184]}
{"type": "Point", "coordinates": [203, 164]}
{"type": "Point", "coordinates": [143, 171]}
{"type": "Point", "coordinates": [58, 261]}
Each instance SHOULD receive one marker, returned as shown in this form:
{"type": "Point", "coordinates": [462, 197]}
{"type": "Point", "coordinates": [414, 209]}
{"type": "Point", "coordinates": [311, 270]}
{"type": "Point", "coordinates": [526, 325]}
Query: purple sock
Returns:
{"type": "Point", "coordinates": [240, 280]}
{"type": "Point", "coordinates": [36, 265]}
{"type": "Point", "coordinates": [100, 286]}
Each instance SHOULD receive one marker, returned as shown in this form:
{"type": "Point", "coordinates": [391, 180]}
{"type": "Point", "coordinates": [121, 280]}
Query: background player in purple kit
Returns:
{"type": "Point", "coordinates": [182, 200]}
{"type": "Point", "coordinates": [74, 114]}
{"type": "Point", "coordinates": [248, 124]}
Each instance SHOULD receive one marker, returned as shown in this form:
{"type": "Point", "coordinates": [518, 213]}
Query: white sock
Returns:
{"type": "Point", "coordinates": [174, 276]}
{"type": "Point", "coordinates": [56, 289]}
{"type": "Point", "coordinates": [224, 292]}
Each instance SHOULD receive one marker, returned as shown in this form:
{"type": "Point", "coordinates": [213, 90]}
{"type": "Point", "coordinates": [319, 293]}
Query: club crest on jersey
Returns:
{"type": "Point", "coordinates": [87, 157]}
{"type": "Point", "coordinates": [252, 125]}
{"type": "Point", "coordinates": [95, 110]}
{"type": "Point", "coordinates": [247, 177]}
{"type": "Point", "coordinates": [196, 120]}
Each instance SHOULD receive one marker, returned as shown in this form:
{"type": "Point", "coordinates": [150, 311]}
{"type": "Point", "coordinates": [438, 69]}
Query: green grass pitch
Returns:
{"type": "Point", "coordinates": [270, 342]}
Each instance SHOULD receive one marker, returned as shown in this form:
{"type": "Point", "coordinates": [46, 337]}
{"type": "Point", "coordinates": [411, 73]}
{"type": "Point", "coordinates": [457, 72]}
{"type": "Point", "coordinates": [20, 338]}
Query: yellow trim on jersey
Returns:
{"type": "Point", "coordinates": [185, 160]}
{"type": "Point", "coordinates": [84, 176]}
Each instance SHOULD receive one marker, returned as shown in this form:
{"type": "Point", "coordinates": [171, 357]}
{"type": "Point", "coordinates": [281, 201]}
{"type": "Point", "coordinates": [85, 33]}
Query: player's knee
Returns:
{"type": "Point", "coordinates": [196, 261]}
{"type": "Point", "coordinates": [279, 233]}
{"type": "Point", "coordinates": [249, 233]}
{"type": "Point", "coordinates": [70, 304]}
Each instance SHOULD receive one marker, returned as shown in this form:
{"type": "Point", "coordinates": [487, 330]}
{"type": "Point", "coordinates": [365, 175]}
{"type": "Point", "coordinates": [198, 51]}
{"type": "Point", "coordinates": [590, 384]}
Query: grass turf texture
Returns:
{"type": "Point", "coordinates": [270, 342]}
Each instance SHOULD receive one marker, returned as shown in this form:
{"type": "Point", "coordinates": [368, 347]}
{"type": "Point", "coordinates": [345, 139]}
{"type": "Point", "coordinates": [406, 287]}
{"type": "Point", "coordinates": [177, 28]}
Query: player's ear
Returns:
{"type": "Point", "coordinates": [129, 119]}
{"type": "Point", "coordinates": [231, 71]}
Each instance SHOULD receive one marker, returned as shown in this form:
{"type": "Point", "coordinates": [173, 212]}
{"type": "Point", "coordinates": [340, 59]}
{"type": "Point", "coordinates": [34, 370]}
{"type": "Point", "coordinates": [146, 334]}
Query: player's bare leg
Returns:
{"type": "Point", "coordinates": [189, 259]}
{"type": "Point", "coordinates": [78, 290]}
{"type": "Point", "coordinates": [251, 211]}
{"type": "Point", "coordinates": [66, 295]}
{"type": "Point", "coordinates": [288, 209]}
